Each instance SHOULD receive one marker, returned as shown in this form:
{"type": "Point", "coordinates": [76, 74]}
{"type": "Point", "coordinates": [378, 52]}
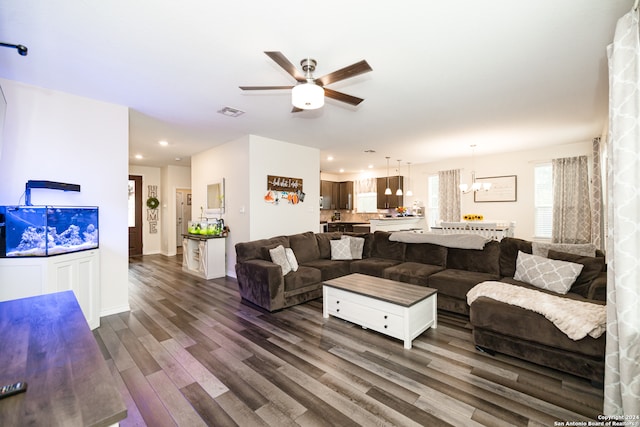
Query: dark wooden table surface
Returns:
{"type": "Point", "coordinates": [46, 341]}
{"type": "Point", "coordinates": [403, 294]}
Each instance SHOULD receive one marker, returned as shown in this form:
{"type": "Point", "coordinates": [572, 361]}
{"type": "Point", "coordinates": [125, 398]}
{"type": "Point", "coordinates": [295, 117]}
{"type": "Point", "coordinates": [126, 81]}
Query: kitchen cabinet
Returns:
{"type": "Point", "coordinates": [389, 201]}
{"type": "Point", "coordinates": [346, 195]}
{"type": "Point", "coordinates": [330, 193]}
{"type": "Point", "coordinates": [336, 195]}
{"type": "Point", "coordinates": [343, 226]}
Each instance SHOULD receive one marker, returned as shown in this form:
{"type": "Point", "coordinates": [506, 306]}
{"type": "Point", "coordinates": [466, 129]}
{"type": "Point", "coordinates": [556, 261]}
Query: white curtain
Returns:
{"type": "Point", "coordinates": [571, 205]}
{"type": "Point", "coordinates": [449, 195]}
{"type": "Point", "coordinates": [597, 217]}
{"type": "Point", "coordinates": [622, 369]}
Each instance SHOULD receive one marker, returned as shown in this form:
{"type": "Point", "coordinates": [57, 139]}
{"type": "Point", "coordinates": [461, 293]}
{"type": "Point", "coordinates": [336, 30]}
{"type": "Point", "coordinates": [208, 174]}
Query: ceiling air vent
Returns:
{"type": "Point", "coordinates": [231, 112]}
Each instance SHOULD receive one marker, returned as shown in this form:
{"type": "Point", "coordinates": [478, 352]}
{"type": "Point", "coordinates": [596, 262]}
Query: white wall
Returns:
{"type": "Point", "coordinates": [172, 178]}
{"type": "Point", "coordinates": [150, 176]}
{"type": "Point", "coordinates": [56, 136]}
{"type": "Point", "coordinates": [245, 164]}
{"type": "Point", "coordinates": [271, 157]}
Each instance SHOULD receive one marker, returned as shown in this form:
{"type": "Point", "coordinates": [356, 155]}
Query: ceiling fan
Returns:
{"type": "Point", "coordinates": [309, 93]}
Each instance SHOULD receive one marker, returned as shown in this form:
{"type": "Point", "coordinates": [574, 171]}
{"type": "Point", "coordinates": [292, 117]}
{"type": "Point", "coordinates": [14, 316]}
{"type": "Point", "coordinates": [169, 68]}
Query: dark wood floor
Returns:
{"type": "Point", "coordinates": [191, 353]}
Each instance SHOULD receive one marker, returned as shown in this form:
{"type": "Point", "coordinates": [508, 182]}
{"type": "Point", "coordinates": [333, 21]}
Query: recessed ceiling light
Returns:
{"type": "Point", "coordinates": [163, 143]}
{"type": "Point", "coordinates": [231, 112]}
{"type": "Point", "coordinates": [178, 159]}
{"type": "Point", "coordinates": [341, 170]}
{"type": "Point", "coordinates": [329, 158]}
{"type": "Point", "coordinates": [138, 156]}
{"type": "Point", "coordinates": [370, 166]}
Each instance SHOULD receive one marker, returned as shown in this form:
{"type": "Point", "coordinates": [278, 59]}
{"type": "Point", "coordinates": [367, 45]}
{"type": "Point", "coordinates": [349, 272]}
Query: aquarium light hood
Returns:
{"type": "Point", "coordinates": [51, 185]}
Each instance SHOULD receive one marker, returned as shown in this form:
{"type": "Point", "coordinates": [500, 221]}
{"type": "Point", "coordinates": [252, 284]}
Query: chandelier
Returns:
{"type": "Point", "coordinates": [475, 186]}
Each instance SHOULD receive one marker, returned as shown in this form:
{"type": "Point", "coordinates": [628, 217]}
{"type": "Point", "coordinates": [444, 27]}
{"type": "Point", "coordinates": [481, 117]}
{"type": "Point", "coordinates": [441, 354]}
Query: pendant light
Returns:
{"type": "Point", "coordinates": [399, 191]}
{"type": "Point", "coordinates": [387, 191]}
{"type": "Point", "coordinates": [408, 186]}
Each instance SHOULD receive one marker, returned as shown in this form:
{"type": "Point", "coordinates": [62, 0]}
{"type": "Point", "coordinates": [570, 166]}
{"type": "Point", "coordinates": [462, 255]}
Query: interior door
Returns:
{"type": "Point", "coordinates": [180, 202]}
{"type": "Point", "coordinates": [135, 215]}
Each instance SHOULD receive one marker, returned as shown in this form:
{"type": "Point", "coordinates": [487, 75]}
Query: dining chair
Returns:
{"type": "Point", "coordinates": [486, 229]}
{"type": "Point", "coordinates": [454, 227]}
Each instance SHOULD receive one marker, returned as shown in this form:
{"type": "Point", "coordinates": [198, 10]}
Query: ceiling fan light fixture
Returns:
{"type": "Point", "coordinates": [307, 96]}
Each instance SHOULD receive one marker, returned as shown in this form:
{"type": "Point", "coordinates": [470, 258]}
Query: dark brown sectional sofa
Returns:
{"type": "Point", "coordinates": [497, 327]}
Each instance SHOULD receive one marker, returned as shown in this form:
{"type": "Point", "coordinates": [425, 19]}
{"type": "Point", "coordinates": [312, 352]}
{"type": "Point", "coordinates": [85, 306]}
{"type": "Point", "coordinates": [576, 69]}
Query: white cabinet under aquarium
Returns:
{"type": "Point", "coordinates": [45, 249]}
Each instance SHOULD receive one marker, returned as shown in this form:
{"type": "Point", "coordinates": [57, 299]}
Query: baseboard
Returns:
{"type": "Point", "coordinates": [115, 310]}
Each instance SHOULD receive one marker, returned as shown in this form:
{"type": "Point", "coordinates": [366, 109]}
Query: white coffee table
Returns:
{"type": "Point", "coordinates": [396, 309]}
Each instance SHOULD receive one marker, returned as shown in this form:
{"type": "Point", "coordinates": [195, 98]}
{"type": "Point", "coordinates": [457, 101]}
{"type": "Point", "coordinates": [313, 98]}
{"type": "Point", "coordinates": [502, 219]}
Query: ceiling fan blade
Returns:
{"type": "Point", "coordinates": [345, 73]}
{"type": "Point", "coordinates": [282, 61]}
{"type": "Point", "coordinates": [339, 96]}
{"type": "Point", "coordinates": [264, 87]}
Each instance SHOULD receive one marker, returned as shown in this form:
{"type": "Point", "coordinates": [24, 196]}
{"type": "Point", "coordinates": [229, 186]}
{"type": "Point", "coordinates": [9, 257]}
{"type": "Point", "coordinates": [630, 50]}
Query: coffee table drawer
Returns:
{"type": "Point", "coordinates": [370, 314]}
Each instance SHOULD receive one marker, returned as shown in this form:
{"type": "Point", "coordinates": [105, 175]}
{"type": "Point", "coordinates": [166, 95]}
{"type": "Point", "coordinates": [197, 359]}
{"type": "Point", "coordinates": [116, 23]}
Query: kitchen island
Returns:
{"type": "Point", "coordinates": [398, 223]}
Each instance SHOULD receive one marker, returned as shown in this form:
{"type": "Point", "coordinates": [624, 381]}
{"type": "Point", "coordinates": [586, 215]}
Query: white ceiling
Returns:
{"type": "Point", "coordinates": [506, 75]}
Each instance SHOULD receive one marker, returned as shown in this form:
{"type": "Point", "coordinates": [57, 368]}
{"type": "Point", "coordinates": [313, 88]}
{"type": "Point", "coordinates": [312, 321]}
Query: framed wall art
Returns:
{"type": "Point", "coordinates": [503, 189]}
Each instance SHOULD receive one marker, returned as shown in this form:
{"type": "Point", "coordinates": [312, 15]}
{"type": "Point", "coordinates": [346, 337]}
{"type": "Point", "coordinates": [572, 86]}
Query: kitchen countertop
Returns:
{"type": "Point", "coordinates": [347, 222]}
{"type": "Point", "coordinates": [397, 218]}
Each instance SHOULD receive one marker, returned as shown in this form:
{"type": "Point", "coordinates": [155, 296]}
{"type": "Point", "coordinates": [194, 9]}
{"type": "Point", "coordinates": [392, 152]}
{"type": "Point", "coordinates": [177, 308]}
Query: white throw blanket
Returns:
{"type": "Point", "coordinates": [576, 319]}
{"type": "Point", "coordinates": [460, 241]}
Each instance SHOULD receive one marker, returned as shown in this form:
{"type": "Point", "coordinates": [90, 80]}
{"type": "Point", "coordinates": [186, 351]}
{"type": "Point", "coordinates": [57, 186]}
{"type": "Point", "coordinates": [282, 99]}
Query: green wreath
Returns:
{"type": "Point", "coordinates": [153, 203]}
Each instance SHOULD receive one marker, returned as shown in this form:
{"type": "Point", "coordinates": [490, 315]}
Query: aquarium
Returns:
{"type": "Point", "coordinates": [40, 231]}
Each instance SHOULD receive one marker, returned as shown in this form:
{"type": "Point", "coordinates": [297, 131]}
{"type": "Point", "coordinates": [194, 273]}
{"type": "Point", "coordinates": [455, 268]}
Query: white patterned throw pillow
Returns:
{"type": "Point", "coordinates": [545, 273]}
{"type": "Point", "coordinates": [291, 257]}
{"type": "Point", "coordinates": [356, 245]}
{"type": "Point", "coordinates": [340, 249]}
{"type": "Point", "coordinates": [279, 256]}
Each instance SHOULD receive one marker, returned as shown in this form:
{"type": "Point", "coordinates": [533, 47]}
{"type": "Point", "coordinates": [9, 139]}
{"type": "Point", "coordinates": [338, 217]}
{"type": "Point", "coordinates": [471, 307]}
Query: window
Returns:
{"type": "Point", "coordinates": [366, 195]}
{"type": "Point", "coordinates": [366, 202]}
{"type": "Point", "coordinates": [433, 212]}
{"type": "Point", "coordinates": [543, 200]}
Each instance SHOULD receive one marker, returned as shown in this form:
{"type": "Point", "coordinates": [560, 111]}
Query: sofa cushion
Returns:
{"type": "Point", "coordinates": [386, 249]}
{"type": "Point", "coordinates": [486, 260]}
{"type": "Point", "coordinates": [330, 269]}
{"type": "Point", "coordinates": [545, 273]}
{"type": "Point", "coordinates": [305, 276]}
{"type": "Point", "coordinates": [456, 283]}
{"type": "Point", "coordinates": [513, 321]}
{"type": "Point", "coordinates": [340, 250]}
{"type": "Point", "coordinates": [509, 247]}
{"type": "Point", "coordinates": [259, 249]}
{"type": "Point", "coordinates": [584, 249]}
{"type": "Point", "coordinates": [426, 253]}
{"type": "Point", "coordinates": [305, 246]}
{"type": "Point", "coordinates": [411, 272]}
{"type": "Point", "coordinates": [372, 266]}
{"type": "Point", "coordinates": [593, 266]}
{"type": "Point", "coordinates": [324, 243]}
